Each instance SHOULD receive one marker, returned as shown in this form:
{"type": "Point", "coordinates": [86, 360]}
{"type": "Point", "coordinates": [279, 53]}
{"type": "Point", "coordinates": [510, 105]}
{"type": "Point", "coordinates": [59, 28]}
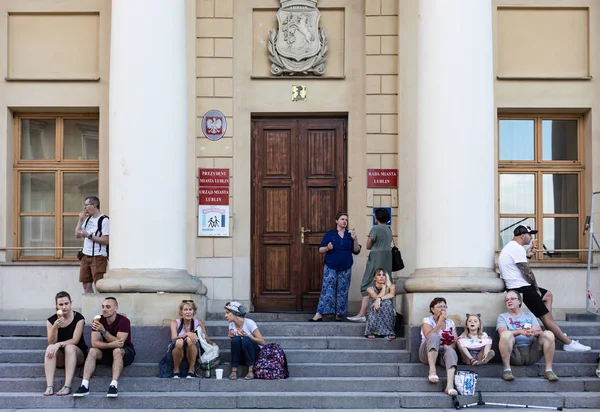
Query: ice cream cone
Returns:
{"type": "Point", "coordinates": [59, 313]}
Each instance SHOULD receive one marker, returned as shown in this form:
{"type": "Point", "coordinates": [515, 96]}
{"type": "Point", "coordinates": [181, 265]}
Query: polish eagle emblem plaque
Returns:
{"type": "Point", "coordinates": [214, 125]}
{"type": "Point", "coordinates": [298, 47]}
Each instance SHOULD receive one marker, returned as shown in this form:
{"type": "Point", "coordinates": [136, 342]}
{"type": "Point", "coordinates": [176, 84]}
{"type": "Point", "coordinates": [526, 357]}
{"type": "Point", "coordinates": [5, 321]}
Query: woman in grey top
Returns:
{"type": "Point", "coordinates": [379, 243]}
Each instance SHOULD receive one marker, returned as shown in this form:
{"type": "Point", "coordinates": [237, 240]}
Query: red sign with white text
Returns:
{"type": "Point", "coordinates": [213, 196]}
{"type": "Point", "coordinates": [382, 178]}
{"type": "Point", "coordinates": [213, 178]}
{"type": "Point", "coordinates": [213, 187]}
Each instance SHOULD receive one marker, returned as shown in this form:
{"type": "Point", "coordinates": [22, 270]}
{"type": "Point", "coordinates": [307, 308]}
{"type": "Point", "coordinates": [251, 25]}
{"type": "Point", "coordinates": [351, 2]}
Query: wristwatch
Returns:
{"type": "Point", "coordinates": [103, 332]}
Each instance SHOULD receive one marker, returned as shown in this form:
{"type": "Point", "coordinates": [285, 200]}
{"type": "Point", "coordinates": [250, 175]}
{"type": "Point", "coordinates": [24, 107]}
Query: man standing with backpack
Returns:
{"type": "Point", "coordinates": [93, 227]}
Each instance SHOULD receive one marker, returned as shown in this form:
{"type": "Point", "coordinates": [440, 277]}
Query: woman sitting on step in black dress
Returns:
{"type": "Point", "coordinates": [66, 344]}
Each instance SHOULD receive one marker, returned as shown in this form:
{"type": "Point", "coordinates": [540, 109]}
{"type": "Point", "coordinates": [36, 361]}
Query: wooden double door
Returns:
{"type": "Point", "coordinates": [298, 186]}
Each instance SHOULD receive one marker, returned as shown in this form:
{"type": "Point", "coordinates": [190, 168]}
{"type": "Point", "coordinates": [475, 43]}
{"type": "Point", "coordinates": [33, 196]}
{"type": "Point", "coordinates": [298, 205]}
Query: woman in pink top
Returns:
{"type": "Point", "coordinates": [185, 339]}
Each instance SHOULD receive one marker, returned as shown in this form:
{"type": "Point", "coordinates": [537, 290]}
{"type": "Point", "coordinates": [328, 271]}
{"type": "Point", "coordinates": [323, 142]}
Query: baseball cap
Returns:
{"type": "Point", "coordinates": [523, 230]}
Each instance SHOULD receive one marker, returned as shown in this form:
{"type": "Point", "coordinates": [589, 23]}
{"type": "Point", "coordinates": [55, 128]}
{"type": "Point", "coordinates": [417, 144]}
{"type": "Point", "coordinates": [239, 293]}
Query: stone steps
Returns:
{"type": "Point", "coordinates": [293, 355]}
{"type": "Point", "coordinates": [138, 369]}
{"type": "Point", "coordinates": [295, 400]}
{"type": "Point", "coordinates": [332, 366]}
{"type": "Point", "coordinates": [307, 384]}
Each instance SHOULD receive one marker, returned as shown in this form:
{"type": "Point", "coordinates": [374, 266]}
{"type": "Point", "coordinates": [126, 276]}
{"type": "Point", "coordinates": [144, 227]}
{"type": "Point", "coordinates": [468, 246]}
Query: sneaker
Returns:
{"type": "Point", "coordinates": [551, 376]}
{"type": "Point", "coordinates": [81, 392]}
{"type": "Point", "coordinates": [191, 375]}
{"type": "Point", "coordinates": [176, 375]}
{"type": "Point", "coordinates": [508, 376]}
{"type": "Point", "coordinates": [575, 346]}
{"type": "Point", "coordinates": [113, 392]}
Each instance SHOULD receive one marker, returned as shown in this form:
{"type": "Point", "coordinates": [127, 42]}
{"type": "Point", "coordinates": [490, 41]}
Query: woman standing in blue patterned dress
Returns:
{"type": "Point", "coordinates": [337, 246]}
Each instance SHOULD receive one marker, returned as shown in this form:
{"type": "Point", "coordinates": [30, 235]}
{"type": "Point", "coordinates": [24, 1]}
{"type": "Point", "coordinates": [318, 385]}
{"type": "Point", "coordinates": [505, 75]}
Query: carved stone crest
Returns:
{"type": "Point", "coordinates": [298, 47]}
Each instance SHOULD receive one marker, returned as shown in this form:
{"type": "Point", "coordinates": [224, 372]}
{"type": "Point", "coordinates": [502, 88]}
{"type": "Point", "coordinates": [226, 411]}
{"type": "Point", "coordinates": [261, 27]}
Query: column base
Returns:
{"type": "Point", "coordinates": [150, 281]}
{"type": "Point", "coordinates": [454, 280]}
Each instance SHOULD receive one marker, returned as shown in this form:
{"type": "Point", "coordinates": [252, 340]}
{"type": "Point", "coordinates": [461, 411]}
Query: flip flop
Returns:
{"type": "Point", "coordinates": [66, 390]}
{"type": "Point", "coordinates": [433, 379]}
{"type": "Point", "coordinates": [451, 392]}
{"type": "Point", "coordinates": [249, 376]}
{"type": "Point", "coordinates": [371, 336]}
{"type": "Point", "coordinates": [390, 337]}
{"type": "Point", "coordinates": [49, 390]}
{"type": "Point", "coordinates": [233, 375]}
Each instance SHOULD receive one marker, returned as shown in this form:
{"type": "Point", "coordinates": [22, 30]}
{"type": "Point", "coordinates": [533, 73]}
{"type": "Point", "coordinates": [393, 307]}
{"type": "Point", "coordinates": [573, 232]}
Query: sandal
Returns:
{"type": "Point", "coordinates": [390, 337]}
{"type": "Point", "coordinates": [249, 376]}
{"type": "Point", "coordinates": [473, 361]}
{"type": "Point", "coordinates": [66, 390]}
{"type": "Point", "coordinates": [598, 373]}
{"type": "Point", "coordinates": [233, 375]}
{"type": "Point", "coordinates": [371, 336]}
{"type": "Point", "coordinates": [488, 357]}
{"type": "Point", "coordinates": [49, 390]}
{"type": "Point", "coordinates": [451, 392]}
{"type": "Point", "coordinates": [433, 378]}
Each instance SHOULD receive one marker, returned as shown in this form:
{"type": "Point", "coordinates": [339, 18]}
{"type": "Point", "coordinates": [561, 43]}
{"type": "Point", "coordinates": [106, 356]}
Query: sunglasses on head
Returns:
{"type": "Point", "coordinates": [187, 301]}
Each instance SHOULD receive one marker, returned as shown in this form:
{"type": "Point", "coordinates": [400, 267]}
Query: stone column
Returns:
{"type": "Point", "coordinates": [455, 159]}
{"type": "Point", "coordinates": [147, 150]}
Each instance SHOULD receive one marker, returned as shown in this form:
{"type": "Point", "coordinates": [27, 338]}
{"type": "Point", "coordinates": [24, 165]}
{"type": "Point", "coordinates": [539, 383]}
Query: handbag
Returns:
{"type": "Point", "coordinates": [397, 262]}
{"type": "Point", "coordinates": [80, 254]}
{"type": "Point", "coordinates": [465, 383]}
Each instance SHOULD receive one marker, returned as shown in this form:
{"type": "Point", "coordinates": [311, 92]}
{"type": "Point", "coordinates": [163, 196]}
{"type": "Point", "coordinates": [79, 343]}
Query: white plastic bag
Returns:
{"type": "Point", "coordinates": [211, 352]}
{"type": "Point", "coordinates": [465, 382]}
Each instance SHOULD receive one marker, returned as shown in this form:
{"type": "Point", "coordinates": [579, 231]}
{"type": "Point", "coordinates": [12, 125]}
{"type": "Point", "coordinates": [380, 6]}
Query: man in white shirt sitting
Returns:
{"type": "Point", "coordinates": [517, 275]}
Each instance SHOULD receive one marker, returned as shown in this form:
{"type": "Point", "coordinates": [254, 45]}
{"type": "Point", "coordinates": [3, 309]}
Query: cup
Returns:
{"type": "Point", "coordinates": [219, 373]}
{"type": "Point", "coordinates": [527, 325]}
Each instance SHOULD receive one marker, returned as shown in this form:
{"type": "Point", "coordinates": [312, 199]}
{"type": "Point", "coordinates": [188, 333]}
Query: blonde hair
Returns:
{"type": "Point", "coordinates": [479, 329]}
{"type": "Point", "coordinates": [388, 279]}
{"type": "Point", "coordinates": [187, 302]}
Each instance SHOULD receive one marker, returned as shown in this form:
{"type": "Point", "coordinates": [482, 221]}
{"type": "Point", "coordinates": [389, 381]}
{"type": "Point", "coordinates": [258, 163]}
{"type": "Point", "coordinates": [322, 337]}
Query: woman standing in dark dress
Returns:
{"type": "Point", "coordinates": [337, 246]}
{"type": "Point", "coordinates": [379, 243]}
{"type": "Point", "coordinates": [66, 344]}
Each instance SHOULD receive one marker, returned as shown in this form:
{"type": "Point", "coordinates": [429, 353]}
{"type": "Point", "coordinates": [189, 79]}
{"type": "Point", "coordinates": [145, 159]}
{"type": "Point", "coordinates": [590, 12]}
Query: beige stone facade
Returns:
{"type": "Point", "coordinates": [371, 80]}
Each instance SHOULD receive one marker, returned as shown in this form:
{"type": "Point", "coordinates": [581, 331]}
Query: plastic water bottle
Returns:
{"type": "Point", "coordinates": [207, 373]}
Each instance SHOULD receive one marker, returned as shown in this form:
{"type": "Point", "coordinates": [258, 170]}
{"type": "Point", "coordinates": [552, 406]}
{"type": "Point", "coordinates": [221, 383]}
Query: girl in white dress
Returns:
{"type": "Point", "coordinates": [474, 345]}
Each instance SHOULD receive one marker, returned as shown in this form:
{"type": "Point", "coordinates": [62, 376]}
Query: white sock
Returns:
{"type": "Point", "coordinates": [508, 370]}
{"type": "Point", "coordinates": [85, 383]}
{"type": "Point", "coordinates": [114, 383]}
{"type": "Point", "coordinates": [548, 370]}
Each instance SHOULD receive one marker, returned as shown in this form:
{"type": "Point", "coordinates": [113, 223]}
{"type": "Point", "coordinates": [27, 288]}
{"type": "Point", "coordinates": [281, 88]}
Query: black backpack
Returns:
{"type": "Point", "coordinates": [98, 233]}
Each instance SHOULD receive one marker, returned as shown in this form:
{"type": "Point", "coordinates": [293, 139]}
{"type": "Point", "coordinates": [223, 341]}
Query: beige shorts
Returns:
{"type": "Point", "coordinates": [92, 268]}
{"type": "Point", "coordinates": [526, 355]}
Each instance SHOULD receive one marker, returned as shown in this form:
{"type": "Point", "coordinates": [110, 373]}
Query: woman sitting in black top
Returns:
{"type": "Point", "coordinates": [66, 345]}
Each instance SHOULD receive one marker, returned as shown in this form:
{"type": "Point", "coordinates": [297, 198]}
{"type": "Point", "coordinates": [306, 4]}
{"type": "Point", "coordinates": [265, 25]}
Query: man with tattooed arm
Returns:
{"type": "Point", "coordinates": [517, 275]}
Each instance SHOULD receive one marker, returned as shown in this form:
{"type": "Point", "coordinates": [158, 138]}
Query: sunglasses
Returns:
{"type": "Point", "coordinates": [187, 301]}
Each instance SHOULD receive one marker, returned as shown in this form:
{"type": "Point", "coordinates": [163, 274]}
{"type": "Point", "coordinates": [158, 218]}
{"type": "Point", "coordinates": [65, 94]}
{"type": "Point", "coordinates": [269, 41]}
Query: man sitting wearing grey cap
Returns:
{"type": "Point", "coordinates": [517, 275]}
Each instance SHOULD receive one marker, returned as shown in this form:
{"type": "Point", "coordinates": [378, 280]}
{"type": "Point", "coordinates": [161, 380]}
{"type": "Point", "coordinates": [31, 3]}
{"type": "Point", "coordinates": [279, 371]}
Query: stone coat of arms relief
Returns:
{"type": "Point", "coordinates": [298, 46]}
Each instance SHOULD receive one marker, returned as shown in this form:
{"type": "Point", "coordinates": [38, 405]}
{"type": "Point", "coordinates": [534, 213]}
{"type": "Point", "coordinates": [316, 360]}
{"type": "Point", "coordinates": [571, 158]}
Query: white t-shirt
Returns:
{"type": "Point", "coordinates": [446, 333]}
{"type": "Point", "coordinates": [249, 327]}
{"type": "Point", "coordinates": [92, 227]}
{"type": "Point", "coordinates": [512, 254]}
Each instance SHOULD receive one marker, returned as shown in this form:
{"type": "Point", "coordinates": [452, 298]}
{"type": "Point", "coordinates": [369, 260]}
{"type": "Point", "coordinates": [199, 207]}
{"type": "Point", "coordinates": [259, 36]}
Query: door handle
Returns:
{"type": "Point", "coordinates": [302, 232]}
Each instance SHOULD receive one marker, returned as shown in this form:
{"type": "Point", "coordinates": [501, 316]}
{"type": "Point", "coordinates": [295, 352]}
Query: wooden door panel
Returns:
{"type": "Point", "coordinates": [298, 180]}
